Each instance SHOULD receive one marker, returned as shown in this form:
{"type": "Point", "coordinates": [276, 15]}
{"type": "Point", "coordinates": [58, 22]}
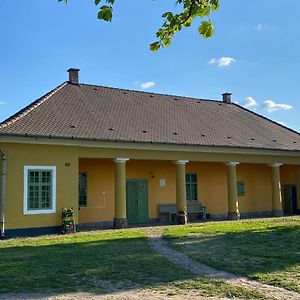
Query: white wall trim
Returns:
{"type": "Point", "coordinates": [25, 202]}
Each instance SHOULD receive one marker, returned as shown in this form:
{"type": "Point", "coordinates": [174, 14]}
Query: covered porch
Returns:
{"type": "Point", "coordinates": [121, 191]}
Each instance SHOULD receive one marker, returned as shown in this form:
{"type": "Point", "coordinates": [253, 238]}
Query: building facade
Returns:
{"type": "Point", "coordinates": [116, 155]}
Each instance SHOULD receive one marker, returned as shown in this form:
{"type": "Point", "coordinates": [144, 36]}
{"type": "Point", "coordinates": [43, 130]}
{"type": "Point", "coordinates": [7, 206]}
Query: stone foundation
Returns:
{"type": "Point", "coordinates": [95, 225]}
{"type": "Point", "coordinates": [235, 215]}
{"type": "Point", "coordinates": [120, 223]}
{"type": "Point", "coordinates": [182, 218]}
{"type": "Point", "coordinates": [277, 213]}
{"type": "Point", "coordinates": [258, 214]}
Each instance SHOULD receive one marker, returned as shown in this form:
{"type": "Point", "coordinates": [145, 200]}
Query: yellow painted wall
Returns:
{"type": "Point", "coordinates": [100, 190]}
{"type": "Point", "coordinates": [100, 173]}
{"type": "Point", "coordinates": [258, 189]}
{"type": "Point", "coordinates": [102, 149]}
{"type": "Point", "coordinates": [209, 176]}
{"type": "Point", "coordinates": [19, 156]}
{"type": "Point", "coordinates": [212, 184]}
{"type": "Point", "coordinates": [142, 154]}
{"type": "Point", "coordinates": [288, 174]}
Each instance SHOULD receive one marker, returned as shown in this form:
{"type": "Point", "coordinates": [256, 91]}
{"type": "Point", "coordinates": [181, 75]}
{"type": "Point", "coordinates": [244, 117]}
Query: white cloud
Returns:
{"type": "Point", "coordinates": [259, 27]}
{"type": "Point", "coordinates": [249, 102]}
{"type": "Point", "coordinates": [222, 61]}
{"type": "Point", "coordinates": [147, 85]}
{"type": "Point", "coordinates": [271, 106]}
{"type": "Point", "coordinates": [2, 102]}
{"type": "Point", "coordinates": [263, 27]}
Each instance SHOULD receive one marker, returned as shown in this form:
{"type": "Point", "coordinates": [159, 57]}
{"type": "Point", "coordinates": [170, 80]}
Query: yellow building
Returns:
{"type": "Point", "coordinates": [121, 157]}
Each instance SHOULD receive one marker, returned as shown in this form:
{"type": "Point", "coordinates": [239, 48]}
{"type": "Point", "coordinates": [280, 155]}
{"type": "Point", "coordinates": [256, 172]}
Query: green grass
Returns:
{"type": "Point", "coordinates": [267, 249]}
{"type": "Point", "coordinates": [82, 261]}
{"type": "Point", "coordinates": [210, 287]}
{"type": "Point", "coordinates": [97, 262]}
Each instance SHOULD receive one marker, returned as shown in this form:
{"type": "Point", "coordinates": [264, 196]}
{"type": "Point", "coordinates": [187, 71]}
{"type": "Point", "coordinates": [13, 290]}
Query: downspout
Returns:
{"type": "Point", "coordinates": [3, 192]}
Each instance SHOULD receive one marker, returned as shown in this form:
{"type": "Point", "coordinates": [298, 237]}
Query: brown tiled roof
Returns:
{"type": "Point", "coordinates": [101, 113]}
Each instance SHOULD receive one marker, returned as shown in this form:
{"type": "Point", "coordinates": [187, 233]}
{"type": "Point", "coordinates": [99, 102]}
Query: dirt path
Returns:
{"type": "Point", "coordinates": [158, 244]}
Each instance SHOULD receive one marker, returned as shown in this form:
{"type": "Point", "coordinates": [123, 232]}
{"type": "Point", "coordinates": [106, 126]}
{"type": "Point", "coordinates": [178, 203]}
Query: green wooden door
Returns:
{"type": "Point", "coordinates": [137, 201]}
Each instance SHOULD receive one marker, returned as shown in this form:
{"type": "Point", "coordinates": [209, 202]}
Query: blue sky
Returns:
{"type": "Point", "coordinates": [254, 53]}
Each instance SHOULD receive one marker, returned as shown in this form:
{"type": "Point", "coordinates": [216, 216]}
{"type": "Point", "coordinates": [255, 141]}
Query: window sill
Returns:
{"type": "Point", "coordinates": [39, 212]}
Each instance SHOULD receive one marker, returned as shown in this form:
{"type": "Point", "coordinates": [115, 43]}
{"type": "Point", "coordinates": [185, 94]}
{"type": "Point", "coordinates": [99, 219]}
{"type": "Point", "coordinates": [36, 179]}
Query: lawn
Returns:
{"type": "Point", "coordinates": [267, 250]}
{"type": "Point", "coordinates": [97, 262]}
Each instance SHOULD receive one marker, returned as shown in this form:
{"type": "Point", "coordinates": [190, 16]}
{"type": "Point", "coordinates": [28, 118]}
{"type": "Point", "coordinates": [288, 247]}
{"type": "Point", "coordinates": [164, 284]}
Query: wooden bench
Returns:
{"type": "Point", "coordinates": [192, 208]}
{"type": "Point", "coordinates": [169, 209]}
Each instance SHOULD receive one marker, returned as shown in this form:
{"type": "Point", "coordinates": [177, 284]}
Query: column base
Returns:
{"type": "Point", "coordinates": [277, 213]}
{"type": "Point", "coordinates": [120, 223]}
{"type": "Point", "coordinates": [182, 218]}
{"type": "Point", "coordinates": [234, 215]}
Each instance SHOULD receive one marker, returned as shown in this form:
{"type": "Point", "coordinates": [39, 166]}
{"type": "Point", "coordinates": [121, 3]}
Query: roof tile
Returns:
{"type": "Point", "coordinates": [94, 112]}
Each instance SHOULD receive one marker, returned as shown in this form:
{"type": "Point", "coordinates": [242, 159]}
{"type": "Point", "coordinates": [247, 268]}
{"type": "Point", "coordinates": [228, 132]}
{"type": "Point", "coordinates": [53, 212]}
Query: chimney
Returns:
{"type": "Point", "coordinates": [73, 75]}
{"type": "Point", "coordinates": [227, 98]}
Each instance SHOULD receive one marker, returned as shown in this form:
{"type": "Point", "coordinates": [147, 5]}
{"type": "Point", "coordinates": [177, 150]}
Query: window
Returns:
{"type": "Point", "coordinates": [39, 190]}
{"type": "Point", "coordinates": [82, 189]}
{"type": "Point", "coordinates": [191, 187]}
{"type": "Point", "coordinates": [241, 188]}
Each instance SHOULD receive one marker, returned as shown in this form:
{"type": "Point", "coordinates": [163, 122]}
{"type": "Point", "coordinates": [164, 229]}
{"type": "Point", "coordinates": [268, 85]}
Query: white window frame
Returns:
{"type": "Point", "coordinates": [27, 211]}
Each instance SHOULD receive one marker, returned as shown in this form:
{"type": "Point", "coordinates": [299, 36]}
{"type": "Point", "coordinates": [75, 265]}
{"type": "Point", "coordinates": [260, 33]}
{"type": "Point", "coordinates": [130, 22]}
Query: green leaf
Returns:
{"type": "Point", "coordinates": [97, 2]}
{"type": "Point", "coordinates": [206, 29]}
{"type": "Point", "coordinates": [188, 22]}
{"type": "Point", "coordinates": [167, 42]}
{"type": "Point", "coordinates": [154, 46]}
{"type": "Point", "coordinates": [105, 13]}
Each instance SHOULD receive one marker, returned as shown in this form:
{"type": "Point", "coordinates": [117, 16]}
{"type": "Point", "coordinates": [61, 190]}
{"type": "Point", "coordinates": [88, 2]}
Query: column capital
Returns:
{"type": "Point", "coordinates": [275, 165]}
{"type": "Point", "coordinates": [181, 162]}
{"type": "Point", "coordinates": [121, 160]}
{"type": "Point", "coordinates": [232, 164]}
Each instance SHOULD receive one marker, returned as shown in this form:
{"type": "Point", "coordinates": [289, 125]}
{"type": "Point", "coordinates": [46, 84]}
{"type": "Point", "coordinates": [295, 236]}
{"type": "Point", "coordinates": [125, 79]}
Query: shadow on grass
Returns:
{"type": "Point", "coordinates": [97, 265]}
{"type": "Point", "coordinates": [271, 254]}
